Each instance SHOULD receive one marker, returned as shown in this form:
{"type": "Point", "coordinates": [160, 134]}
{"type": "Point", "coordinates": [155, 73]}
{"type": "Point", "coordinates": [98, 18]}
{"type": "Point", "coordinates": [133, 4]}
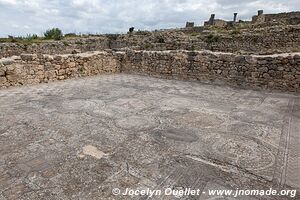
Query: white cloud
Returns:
{"type": "Point", "coordinates": [8, 2]}
{"type": "Point", "coordinates": [110, 16]}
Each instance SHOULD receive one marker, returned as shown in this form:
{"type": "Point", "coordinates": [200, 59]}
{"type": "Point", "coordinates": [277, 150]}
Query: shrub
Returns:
{"type": "Point", "coordinates": [2, 40]}
{"type": "Point", "coordinates": [192, 48]}
{"type": "Point", "coordinates": [160, 40]}
{"type": "Point", "coordinates": [79, 42]}
{"type": "Point", "coordinates": [71, 35]}
{"type": "Point", "coordinates": [147, 46]}
{"type": "Point", "coordinates": [212, 38]}
{"type": "Point", "coordinates": [54, 33]}
{"type": "Point", "coordinates": [31, 37]}
{"type": "Point", "coordinates": [131, 29]}
{"type": "Point", "coordinates": [12, 38]}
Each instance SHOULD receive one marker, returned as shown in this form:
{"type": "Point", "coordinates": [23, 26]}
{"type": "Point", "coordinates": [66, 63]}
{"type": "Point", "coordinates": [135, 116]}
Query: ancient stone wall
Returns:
{"type": "Point", "coordinates": [280, 72]}
{"type": "Point", "coordinates": [286, 18]}
{"type": "Point", "coordinates": [256, 41]}
{"type": "Point", "coordinates": [32, 68]}
{"type": "Point", "coordinates": [264, 42]}
{"type": "Point", "coordinates": [54, 47]}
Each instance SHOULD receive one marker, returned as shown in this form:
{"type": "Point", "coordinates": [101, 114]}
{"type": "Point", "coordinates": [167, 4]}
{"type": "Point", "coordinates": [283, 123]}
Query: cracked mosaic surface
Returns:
{"type": "Point", "coordinates": [79, 139]}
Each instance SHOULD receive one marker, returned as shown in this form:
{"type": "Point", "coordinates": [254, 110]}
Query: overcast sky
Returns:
{"type": "Point", "coordinates": [21, 17]}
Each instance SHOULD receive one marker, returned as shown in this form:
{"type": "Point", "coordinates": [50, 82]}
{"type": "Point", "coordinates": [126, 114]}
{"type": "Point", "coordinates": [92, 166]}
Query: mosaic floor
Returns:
{"type": "Point", "coordinates": [79, 139]}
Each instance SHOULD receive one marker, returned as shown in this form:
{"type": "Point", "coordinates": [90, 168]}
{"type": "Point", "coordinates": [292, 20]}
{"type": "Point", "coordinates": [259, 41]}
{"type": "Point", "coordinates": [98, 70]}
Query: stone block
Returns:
{"type": "Point", "coordinates": [250, 59]}
{"type": "Point", "coordinates": [262, 61]}
{"type": "Point", "coordinates": [58, 58]}
{"type": "Point", "coordinates": [266, 75]}
{"type": "Point", "coordinates": [288, 77]}
{"type": "Point", "coordinates": [57, 67]}
{"type": "Point", "coordinates": [11, 68]}
{"type": "Point", "coordinates": [48, 58]}
{"type": "Point", "coordinates": [2, 71]}
{"type": "Point", "coordinates": [61, 77]}
{"type": "Point", "coordinates": [7, 61]}
{"type": "Point", "coordinates": [272, 73]}
{"type": "Point", "coordinates": [255, 74]}
{"type": "Point", "coordinates": [61, 72]}
{"type": "Point", "coordinates": [233, 73]}
{"type": "Point", "coordinates": [263, 69]}
{"type": "Point", "coordinates": [28, 57]}
{"type": "Point", "coordinates": [39, 73]}
{"type": "Point", "coordinates": [40, 67]}
{"type": "Point", "coordinates": [50, 74]}
{"type": "Point", "coordinates": [72, 64]}
{"type": "Point", "coordinates": [3, 80]}
{"type": "Point", "coordinates": [297, 57]}
{"type": "Point", "coordinates": [12, 78]}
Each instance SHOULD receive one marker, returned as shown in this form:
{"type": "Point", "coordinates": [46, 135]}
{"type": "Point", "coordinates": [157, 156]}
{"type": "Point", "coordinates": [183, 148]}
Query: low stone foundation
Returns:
{"type": "Point", "coordinates": [32, 68]}
{"type": "Point", "coordinates": [275, 72]}
{"type": "Point", "coordinates": [279, 72]}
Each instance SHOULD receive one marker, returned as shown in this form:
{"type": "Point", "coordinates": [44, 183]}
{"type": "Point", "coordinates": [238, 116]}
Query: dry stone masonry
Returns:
{"type": "Point", "coordinates": [66, 46]}
{"type": "Point", "coordinates": [279, 72]}
{"type": "Point", "coordinates": [31, 68]}
{"type": "Point", "coordinates": [252, 39]}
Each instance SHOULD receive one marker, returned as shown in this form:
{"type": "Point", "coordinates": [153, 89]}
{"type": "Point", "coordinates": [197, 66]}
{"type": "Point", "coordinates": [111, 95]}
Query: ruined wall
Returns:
{"type": "Point", "coordinates": [257, 41]}
{"type": "Point", "coordinates": [253, 41]}
{"type": "Point", "coordinates": [55, 47]}
{"type": "Point", "coordinates": [286, 18]}
{"type": "Point", "coordinates": [264, 41]}
{"type": "Point", "coordinates": [32, 68]}
{"type": "Point", "coordinates": [280, 72]}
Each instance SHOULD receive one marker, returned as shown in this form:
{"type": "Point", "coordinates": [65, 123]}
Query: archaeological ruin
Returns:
{"type": "Point", "coordinates": [207, 107]}
{"type": "Point", "coordinates": [262, 53]}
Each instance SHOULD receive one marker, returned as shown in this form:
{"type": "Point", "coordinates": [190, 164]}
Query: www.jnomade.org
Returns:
{"type": "Point", "coordinates": [197, 192]}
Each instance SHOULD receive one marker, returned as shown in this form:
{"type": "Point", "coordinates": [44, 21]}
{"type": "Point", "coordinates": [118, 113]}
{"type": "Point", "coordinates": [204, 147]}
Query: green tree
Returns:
{"type": "Point", "coordinates": [54, 33]}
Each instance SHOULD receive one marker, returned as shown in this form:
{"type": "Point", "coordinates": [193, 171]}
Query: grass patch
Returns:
{"type": "Point", "coordinates": [71, 35]}
{"type": "Point", "coordinates": [24, 40]}
{"type": "Point", "coordinates": [147, 46]}
{"type": "Point", "coordinates": [295, 49]}
{"type": "Point", "coordinates": [142, 32]}
{"type": "Point", "coordinates": [235, 32]}
{"type": "Point", "coordinates": [194, 34]}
